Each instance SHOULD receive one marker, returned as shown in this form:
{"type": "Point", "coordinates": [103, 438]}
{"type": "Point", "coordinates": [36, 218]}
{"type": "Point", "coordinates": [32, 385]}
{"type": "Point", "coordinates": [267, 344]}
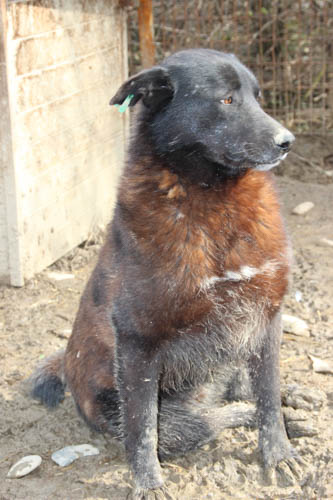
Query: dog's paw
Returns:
{"type": "Point", "coordinates": [286, 473]}
{"type": "Point", "coordinates": [304, 398]}
{"type": "Point", "coordinates": [275, 447]}
{"type": "Point", "coordinates": [282, 465]}
{"type": "Point", "coordinates": [151, 494]}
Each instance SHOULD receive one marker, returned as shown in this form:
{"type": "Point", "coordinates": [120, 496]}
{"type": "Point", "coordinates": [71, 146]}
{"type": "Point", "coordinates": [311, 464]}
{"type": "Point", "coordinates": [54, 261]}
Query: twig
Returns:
{"type": "Point", "coordinates": [310, 163]}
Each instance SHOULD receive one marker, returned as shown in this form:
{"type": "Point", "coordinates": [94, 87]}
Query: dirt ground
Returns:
{"type": "Point", "coordinates": [36, 320]}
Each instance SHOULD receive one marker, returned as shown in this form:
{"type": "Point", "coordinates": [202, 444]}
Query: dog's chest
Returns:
{"type": "Point", "coordinates": [231, 330]}
{"type": "Point", "coordinates": [218, 262]}
{"type": "Point", "coordinates": [229, 299]}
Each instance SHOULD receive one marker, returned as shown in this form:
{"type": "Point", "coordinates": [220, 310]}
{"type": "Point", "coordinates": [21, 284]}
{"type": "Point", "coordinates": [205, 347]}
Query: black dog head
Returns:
{"type": "Point", "coordinates": [203, 104]}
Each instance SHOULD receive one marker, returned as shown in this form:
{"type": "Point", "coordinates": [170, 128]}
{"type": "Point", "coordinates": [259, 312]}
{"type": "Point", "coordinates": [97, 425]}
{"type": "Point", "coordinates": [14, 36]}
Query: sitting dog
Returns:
{"type": "Point", "coordinates": [184, 305]}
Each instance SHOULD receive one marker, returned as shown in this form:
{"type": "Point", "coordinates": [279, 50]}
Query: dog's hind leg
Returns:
{"type": "Point", "coordinates": [185, 424]}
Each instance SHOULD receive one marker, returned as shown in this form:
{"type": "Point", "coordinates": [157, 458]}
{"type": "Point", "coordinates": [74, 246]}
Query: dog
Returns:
{"type": "Point", "coordinates": [183, 308]}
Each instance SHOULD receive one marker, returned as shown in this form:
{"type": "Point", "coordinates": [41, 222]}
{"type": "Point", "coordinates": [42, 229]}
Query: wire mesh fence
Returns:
{"type": "Point", "coordinates": [287, 43]}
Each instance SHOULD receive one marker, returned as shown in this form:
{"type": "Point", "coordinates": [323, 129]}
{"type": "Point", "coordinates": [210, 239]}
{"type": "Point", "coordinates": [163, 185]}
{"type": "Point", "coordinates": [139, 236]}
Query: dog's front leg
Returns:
{"type": "Point", "coordinates": [137, 374]}
{"type": "Point", "coordinates": [265, 374]}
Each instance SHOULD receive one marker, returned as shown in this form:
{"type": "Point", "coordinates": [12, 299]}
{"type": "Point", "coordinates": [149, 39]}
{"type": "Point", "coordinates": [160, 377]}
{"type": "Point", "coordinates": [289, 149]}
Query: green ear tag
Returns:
{"type": "Point", "coordinates": [122, 107]}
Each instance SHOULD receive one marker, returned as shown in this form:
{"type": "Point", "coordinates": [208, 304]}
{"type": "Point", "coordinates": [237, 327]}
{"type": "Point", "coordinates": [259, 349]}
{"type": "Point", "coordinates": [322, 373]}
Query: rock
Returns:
{"type": "Point", "coordinates": [320, 365]}
{"type": "Point", "coordinates": [65, 333]}
{"type": "Point", "coordinates": [327, 242]}
{"type": "Point", "coordinates": [60, 276]}
{"type": "Point", "coordinates": [67, 455]}
{"type": "Point", "coordinates": [64, 457]}
{"type": "Point", "coordinates": [297, 326]}
{"type": "Point", "coordinates": [24, 466]}
{"type": "Point", "coordinates": [303, 208]}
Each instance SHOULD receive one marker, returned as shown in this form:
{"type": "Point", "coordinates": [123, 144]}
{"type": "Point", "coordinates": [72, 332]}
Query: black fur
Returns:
{"type": "Point", "coordinates": [49, 391]}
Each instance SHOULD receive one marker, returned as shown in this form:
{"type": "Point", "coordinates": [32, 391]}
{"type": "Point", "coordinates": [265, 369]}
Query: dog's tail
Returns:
{"type": "Point", "coordinates": [48, 381]}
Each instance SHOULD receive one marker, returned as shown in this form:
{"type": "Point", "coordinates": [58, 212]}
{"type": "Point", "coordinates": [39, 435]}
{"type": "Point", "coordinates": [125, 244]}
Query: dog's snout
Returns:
{"type": "Point", "coordinates": [284, 140]}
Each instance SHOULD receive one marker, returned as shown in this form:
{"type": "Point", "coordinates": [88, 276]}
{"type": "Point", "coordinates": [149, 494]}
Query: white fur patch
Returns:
{"type": "Point", "coordinates": [248, 272]}
{"type": "Point", "coordinates": [232, 276]}
{"type": "Point", "coordinates": [270, 267]}
{"type": "Point", "coordinates": [245, 273]}
{"type": "Point", "coordinates": [208, 282]}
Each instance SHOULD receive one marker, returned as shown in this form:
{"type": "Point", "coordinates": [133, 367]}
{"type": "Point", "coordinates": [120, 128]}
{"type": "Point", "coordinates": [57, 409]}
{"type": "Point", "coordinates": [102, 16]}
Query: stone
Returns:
{"type": "Point", "coordinates": [60, 276]}
{"type": "Point", "coordinates": [67, 455]}
{"type": "Point", "coordinates": [321, 365]}
{"type": "Point", "coordinates": [24, 466]}
{"type": "Point", "coordinates": [303, 208]}
{"type": "Point", "coordinates": [297, 326]}
{"type": "Point", "coordinates": [327, 242]}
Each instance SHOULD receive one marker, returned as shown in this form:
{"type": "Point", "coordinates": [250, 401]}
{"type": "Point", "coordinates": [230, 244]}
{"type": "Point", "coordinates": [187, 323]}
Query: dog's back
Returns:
{"type": "Point", "coordinates": [193, 271]}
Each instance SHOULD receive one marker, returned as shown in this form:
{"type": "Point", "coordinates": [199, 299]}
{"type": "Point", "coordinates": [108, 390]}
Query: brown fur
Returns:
{"type": "Point", "coordinates": [253, 235]}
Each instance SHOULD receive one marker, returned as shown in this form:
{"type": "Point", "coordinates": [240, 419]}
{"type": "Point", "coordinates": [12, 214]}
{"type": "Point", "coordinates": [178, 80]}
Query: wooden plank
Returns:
{"type": "Point", "coordinates": [57, 82]}
{"type": "Point", "coordinates": [33, 18]}
{"type": "Point", "coordinates": [64, 65]}
{"type": "Point", "coordinates": [58, 148]}
{"type": "Point", "coordinates": [58, 179]}
{"type": "Point", "coordinates": [63, 45]}
{"type": "Point", "coordinates": [10, 261]}
{"type": "Point", "coordinates": [66, 224]}
{"type": "Point", "coordinates": [4, 142]}
{"type": "Point", "coordinates": [146, 33]}
{"type": "Point", "coordinates": [63, 112]}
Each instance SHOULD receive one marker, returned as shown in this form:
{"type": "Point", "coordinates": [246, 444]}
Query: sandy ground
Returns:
{"type": "Point", "coordinates": [36, 320]}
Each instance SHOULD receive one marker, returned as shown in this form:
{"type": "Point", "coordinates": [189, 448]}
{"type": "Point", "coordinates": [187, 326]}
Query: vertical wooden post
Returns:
{"type": "Point", "coordinates": [146, 33]}
{"type": "Point", "coordinates": [11, 257]}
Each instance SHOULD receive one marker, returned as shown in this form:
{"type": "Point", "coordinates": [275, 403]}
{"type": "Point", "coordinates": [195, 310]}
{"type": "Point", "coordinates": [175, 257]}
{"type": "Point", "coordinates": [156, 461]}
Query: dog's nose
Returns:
{"type": "Point", "coordinates": [284, 140]}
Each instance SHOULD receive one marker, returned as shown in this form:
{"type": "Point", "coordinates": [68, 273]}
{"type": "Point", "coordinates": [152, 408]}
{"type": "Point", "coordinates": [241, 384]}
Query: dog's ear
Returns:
{"type": "Point", "coordinates": [153, 86]}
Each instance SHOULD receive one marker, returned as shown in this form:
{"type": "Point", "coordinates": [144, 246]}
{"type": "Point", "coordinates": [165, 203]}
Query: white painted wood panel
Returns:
{"type": "Point", "coordinates": [64, 61]}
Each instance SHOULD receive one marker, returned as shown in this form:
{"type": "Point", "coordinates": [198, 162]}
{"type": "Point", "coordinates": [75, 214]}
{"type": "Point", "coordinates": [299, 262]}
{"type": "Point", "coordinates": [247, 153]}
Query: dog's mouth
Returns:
{"type": "Point", "coordinates": [255, 165]}
{"type": "Point", "coordinates": [267, 166]}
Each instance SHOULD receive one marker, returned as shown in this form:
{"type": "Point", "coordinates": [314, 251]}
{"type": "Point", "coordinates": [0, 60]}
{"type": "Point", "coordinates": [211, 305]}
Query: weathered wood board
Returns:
{"type": "Point", "coordinates": [61, 145]}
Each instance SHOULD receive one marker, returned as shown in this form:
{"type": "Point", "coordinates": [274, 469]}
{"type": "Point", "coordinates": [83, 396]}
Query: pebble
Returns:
{"type": "Point", "coordinates": [327, 242]}
{"type": "Point", "coordinates": [60, 276]}
{"type": "Point", "coordinates": [24, 466]}
{"type": "Point", "coordinates": [67, 455]}
{"type": "Point", "coordinates": [66, 332]}
{"type": "Point", "coordinates": [297, 326]}
{"type": "Point", "coordinates": [321, 365]}
{"type": "Point", "coordinates": [303, 208]}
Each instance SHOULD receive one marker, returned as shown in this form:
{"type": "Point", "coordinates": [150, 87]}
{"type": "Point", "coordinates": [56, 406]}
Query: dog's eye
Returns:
{"type": "Point", "coordinates": [227, 100]}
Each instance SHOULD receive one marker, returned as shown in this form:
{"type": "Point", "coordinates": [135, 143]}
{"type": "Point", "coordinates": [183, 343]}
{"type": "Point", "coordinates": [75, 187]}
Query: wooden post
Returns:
{"type": "Point", "coordinates": [146, 33]}
{"type": "Point", "coordinates": [10, 256]}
